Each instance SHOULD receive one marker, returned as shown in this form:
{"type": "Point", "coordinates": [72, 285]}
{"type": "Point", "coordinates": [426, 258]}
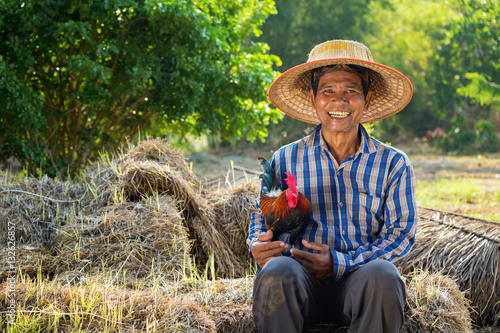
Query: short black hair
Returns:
{"type": "Point", "coordinates": [363, 72]}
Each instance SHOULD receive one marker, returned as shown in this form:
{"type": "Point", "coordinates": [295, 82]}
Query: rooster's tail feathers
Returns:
{"type": "Point", "coordinates": [269, 181]}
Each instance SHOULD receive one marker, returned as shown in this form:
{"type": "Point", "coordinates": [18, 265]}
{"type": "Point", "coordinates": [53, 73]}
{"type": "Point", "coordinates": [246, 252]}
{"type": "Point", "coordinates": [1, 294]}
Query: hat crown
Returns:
{"type": "Point", "coordinates": [340, 49]}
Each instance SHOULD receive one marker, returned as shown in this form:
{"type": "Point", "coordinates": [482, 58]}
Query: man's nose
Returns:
{"type": "Point", "coordinates": [339, 98]}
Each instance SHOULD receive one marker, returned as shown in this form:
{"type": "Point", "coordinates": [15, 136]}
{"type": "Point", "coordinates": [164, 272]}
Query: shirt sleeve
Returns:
{"type": "Point", "coordinates": [398, 232]}
{"type": "Point", "coordinates": [257, 225]}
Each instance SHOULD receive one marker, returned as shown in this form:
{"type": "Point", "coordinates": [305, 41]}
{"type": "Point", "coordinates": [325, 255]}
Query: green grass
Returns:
{"type": "Point", "coordinates": [464, 195]}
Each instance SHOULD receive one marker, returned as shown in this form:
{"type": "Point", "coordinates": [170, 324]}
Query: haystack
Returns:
{"type": "Point", "coordinates": [40, 208]}
{"type": "Point", "coordinates": [465, 249]}
{"type": "Point", "coordinates": [233, 208]}
{"type": "Point", "coordinates": [434, 305]}
{"type": "Point", "coordinates": [152, 168]}
{"type": "Point", "coordinates": [141, 240]}
{"type": "Point", "coordinates": [37, 207]}
{"type": "Point", "coordinates": [100, 306]}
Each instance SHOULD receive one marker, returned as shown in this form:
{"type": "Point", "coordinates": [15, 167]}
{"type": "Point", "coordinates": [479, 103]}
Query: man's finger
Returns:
{"type": "Point", "coordinates": [302, 255]}
{"type": "Point", "coordinates": [265, 237]}
{"type": "Point", "coordinates": [269, 246]}
{"type": "Point", "coordinates": [321, 248]}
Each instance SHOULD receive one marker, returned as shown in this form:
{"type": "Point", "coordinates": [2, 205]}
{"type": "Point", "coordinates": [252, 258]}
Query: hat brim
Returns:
{"type": "Point", "coordinates": [392, 91]}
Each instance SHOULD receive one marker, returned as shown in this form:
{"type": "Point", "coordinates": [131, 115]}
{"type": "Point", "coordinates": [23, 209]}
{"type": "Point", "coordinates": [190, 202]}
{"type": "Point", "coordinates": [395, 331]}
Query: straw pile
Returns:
{"type": "Point", "coordinates": [434, 305]}
{"type": "Point", "coordinates": [233, 208]}
{"type": "Point", "coordinates": [37, 207]}
{"type": "Point", "coordinates": [153, 167]}
{"type": "Point", "coordinates": [465, 249]}
{"type": "Point", "coordinates": [140, 239]}
{"type": "Point", "coordinates": [120, 209]}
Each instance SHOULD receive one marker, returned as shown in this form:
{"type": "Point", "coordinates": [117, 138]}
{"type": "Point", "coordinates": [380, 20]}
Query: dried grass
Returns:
{"type": "Point", "coordinates": [233, 208]}
{"type": "Point", "coordinates": [434, 305]}
{"type": "Point", "coordinates": [154, 167]}
{"type": "Point", "coordinates": [37, 207]}
{"type": "Point", "coordinates": [98, 306]}
{"type": "Point", "coordinates": [465, 249]}
{"type": "Point", "coordinates": [140, 239]}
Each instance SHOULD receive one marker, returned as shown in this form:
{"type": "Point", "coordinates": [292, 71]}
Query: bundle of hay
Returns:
{"type": "Point", "coordinates": [154, 167]}
{"type": "Point", "coordinates": [465, 249]}
{"type": "Point", "coordinates": [37, 207]}
{"type": "Point", "coordinates": [435, 304]}
{"type": "Point", "coordinates": [100, 306]}
{"type": "Point", "coordinates": [233, 208]}
{"type": "Point", "coordinates": [145, 172]}
{"type": "Point", "coordinates": [140, 240]}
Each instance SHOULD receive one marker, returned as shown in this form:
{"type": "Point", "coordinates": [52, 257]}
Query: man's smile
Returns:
{"type": "Point", "coordinates": [339, 114]}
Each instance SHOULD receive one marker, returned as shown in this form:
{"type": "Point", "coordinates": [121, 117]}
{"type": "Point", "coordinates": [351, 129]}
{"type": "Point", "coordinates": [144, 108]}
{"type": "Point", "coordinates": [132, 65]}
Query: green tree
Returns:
{"type": "Point", "coordinates": [481, 89]}
{"type": "Point", "coordinates": [466, 75]}
{"type": "Point", "coordinates": [405, 34]}
{"type": "Point", "coordinates": [300, 25]}
{"type": "Point", "coordinates": [77, 76]}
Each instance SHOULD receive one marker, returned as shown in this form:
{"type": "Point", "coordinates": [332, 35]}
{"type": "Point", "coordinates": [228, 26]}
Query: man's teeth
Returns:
{"type": "Point", "coordinates": [339, 114]}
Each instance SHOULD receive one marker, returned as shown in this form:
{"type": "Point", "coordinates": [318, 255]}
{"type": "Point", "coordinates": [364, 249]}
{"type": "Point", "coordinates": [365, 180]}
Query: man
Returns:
{"type": "Point", "coordinates": [362, 193]}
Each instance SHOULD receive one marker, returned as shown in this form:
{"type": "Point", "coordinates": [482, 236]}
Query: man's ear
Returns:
{"type": "Point", "coordinates": [368, 99]}
{"type": "Point", "coordinates": [313, 98]}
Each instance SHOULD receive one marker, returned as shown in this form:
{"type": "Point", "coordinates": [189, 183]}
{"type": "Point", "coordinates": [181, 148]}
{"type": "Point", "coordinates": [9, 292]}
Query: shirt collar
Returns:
{"type": "Point", "coordinates": [366, 147]}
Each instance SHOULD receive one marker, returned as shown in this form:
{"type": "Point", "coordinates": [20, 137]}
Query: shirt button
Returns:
{"type": "Point", "coordinates": [337, 173]}
{"type": "Point", "coordinates": [341, 204]}
{"type": "Point", "coordinates": [343, 232]}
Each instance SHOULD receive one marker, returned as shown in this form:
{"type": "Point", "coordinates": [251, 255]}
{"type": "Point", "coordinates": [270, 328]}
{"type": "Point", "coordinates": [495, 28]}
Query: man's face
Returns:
{"type": "Point", "coordinates": [340, 102]}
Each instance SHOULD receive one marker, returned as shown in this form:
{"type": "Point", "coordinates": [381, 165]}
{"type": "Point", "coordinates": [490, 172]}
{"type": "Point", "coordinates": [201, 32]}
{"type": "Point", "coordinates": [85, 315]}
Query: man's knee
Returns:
{"type": "Point", "coordinates": [282, 264]}
{"type": "Point", "coordinates": [382, 272]}
{"type": "Point", "coordinates": [277, 296]}
{"type": "Point", "coordinates": [276, 276]}
{"type": "Point", "coordinates": [381, 277]}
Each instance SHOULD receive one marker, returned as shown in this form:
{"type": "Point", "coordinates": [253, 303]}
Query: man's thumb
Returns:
{"type": "Point", "coordinates": [266, 237]}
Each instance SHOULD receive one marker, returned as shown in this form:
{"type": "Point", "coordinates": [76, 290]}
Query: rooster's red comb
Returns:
{"type": "Point", "coordinates": [290, 179]}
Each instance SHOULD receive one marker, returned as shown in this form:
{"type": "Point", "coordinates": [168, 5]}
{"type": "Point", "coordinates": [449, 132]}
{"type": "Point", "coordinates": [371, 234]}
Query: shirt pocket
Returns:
{"type": "Point", "coordinates": [365, 213]}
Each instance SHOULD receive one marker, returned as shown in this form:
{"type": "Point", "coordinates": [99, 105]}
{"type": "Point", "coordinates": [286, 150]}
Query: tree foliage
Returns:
{"type": "Point", "coordinates": [300, 25]}
{"type": "Point", "coordinates": [77, 76]}
{"type": "Point", "coordinates": [404, 34]}
{"type": "Point", "coordinates": [466, 73]}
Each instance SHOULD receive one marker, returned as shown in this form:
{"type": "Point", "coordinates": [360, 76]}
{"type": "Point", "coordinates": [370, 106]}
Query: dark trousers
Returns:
{"type": "Point", "coordinates": [288, 298]}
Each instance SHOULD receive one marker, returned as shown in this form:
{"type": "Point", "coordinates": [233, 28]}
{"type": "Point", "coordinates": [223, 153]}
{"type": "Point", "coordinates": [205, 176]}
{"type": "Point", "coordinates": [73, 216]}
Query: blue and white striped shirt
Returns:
{"type": "Point", "coordinates": [364, 208]}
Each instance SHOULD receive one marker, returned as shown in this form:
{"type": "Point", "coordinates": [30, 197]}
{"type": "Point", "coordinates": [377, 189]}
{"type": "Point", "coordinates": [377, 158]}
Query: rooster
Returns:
{"type": "Point", "coordinates": [287, 211]}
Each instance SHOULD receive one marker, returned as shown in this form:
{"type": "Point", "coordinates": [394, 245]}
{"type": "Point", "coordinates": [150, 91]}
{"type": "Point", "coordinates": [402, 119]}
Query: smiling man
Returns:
{"type": "Point", "coordinates": [363, 197]}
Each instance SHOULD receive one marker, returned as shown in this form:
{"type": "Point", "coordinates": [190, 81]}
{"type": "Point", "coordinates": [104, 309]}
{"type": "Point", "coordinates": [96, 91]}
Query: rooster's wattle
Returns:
{"type": "Point", "coordinates": [287, 211]}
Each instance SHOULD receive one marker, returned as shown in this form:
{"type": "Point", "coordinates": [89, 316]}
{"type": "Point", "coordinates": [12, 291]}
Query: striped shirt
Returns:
{"type": "Point", "coordinates": [364, 208]}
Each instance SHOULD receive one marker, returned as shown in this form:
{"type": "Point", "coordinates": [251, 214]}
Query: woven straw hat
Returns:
{"type": "Point", "coordinates": [392, 91]}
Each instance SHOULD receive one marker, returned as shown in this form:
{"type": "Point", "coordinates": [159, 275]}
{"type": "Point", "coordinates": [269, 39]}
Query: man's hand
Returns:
{"type": "Point", "coordinates": [264, 250]}
{"type": "Point", "coordinates": [320, 264]}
